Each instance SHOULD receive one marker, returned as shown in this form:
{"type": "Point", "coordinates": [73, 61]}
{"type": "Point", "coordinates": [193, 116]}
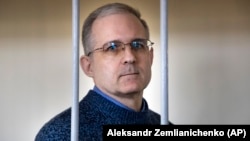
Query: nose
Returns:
{"type": "Point", "coordinates": [129, 54]}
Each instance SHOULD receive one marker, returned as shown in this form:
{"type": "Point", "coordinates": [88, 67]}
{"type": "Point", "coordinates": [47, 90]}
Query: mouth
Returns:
{"type": "Point", "coordinates": [130, 71]}
{"type": "Point", "coordinates": [129, 74]}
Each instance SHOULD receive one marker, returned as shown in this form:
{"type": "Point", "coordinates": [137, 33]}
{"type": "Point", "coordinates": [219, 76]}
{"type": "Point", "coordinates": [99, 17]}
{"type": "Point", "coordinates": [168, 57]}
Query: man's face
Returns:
{"type": "Point", "coordinates": [129, 72]}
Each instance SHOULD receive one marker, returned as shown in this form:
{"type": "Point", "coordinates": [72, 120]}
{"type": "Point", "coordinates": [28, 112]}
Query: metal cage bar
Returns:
{"type": "Point", "coordinates": [164, 61]}
{"type": "Point", "coordinates": [75, 44]}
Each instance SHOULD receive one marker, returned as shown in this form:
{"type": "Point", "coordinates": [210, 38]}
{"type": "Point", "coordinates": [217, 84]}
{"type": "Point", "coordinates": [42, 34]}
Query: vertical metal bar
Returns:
{"type": "Point", "coordinates": [164, 61]}
{"type": "Point", "coordinates": [75, 98]}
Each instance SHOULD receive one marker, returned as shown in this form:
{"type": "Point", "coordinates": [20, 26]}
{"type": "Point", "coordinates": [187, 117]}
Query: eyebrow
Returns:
{"type": "Point", "coordinates": [117, 40]}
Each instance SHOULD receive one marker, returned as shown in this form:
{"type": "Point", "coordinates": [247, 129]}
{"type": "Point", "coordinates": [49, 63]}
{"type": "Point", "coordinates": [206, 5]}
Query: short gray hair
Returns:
{"type": "Point", "coordinates": [108, 9]}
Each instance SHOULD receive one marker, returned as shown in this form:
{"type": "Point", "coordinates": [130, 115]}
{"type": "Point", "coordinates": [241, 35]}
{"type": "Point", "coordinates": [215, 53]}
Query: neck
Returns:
{"type": "Point", "coordinates": [133, 103]}
{"type": "Point", "coordinates": [130, 100]}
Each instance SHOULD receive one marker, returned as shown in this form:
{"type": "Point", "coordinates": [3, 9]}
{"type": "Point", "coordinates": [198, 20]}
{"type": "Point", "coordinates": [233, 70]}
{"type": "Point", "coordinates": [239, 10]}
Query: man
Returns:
{"type": "Point", "coordinates": [118, 57]}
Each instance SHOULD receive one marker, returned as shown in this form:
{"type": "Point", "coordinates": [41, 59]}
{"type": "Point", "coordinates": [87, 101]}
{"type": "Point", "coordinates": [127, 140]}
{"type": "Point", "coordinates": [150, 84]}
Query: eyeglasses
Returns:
{"type": "Point", "coordinates": [115, 47]}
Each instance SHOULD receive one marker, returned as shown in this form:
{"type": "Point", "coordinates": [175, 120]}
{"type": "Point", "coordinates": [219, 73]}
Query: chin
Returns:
{"type": "Point", "coordinates": [131, 89]}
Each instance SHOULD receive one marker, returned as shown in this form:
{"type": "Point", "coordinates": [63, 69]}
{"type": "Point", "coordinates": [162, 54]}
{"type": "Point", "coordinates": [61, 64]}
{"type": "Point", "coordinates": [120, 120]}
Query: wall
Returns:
{"type": "Point", "coordinates": [208, 69]}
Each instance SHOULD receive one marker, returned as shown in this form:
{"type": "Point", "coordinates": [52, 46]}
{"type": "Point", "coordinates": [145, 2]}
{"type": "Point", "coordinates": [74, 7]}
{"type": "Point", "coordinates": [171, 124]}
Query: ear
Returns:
{"type": "Point", "coordinates": [85, 63]}
{"type": "Point", "coordinates": [151, 53]}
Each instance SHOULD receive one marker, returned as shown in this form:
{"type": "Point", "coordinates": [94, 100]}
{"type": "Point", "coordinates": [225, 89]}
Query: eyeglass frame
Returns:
{"type": "Point", "coordinates": [123, 44]}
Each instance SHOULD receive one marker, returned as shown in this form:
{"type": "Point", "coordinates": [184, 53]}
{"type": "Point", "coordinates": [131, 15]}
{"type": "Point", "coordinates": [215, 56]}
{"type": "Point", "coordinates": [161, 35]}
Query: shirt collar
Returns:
{"type": "Point", "coordinates": [97, 90]}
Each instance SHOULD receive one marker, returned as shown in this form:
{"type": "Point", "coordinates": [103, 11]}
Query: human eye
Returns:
{"type": "Point", "coordinates": [111, 46]}
{"type": "Point", "coordinates": [138, 44]}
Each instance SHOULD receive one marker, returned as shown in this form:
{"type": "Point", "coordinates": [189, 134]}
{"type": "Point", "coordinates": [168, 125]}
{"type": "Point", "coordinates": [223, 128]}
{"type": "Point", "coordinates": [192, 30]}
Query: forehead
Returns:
{"type": "Point", "coordinates": [122, 26]}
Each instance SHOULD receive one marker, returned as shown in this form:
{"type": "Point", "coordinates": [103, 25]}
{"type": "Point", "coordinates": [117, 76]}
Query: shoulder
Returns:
{"type": "Point", "coordinates": [58, 128]}
{"type": "Point", "coordinates": [154, 114]}
{"type": "Point", "coordinates": [154, 117]}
